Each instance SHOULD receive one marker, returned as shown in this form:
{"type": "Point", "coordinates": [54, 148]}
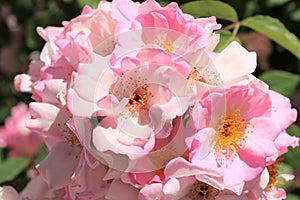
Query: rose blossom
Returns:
{"type": "Point", "coordinates": [48, 81]}
{"type": "Point", "coordinates": [164, 27]}
{"type": "Point", "coordinates": [136, 100]}
{"type": "Point", "coordinates": [183, 180]}
{"type": "Point", "coordinates": [14, 135]}
{"type": "Point", "coordinates": [166, 174]}
{"type": "Point", "coordinates": [263, 187]}
{"type": "Point", "coordinates": [132, 103]}
{"type": "Point", "coordinates": [81, 35]}
{"type": "Point", "coordinates": [227, 132]}
{"type": "Point", "coordinates": [68, 164]}
{"type": "Point", "coordinates": [68, 46]}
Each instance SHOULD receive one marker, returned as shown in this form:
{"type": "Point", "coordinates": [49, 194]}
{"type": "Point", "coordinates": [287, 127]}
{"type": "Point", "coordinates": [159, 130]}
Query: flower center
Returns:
{"type": "Point", "coordinates": [165, 44]}
{"type": "Point", "coordinates": [137, 100]}
{"type": "Point", "coordinates": [195, 76]}
{"type": "Point", "coordinates": [203, 191]}
{"type": "Point", "coordinates": [231, 137]}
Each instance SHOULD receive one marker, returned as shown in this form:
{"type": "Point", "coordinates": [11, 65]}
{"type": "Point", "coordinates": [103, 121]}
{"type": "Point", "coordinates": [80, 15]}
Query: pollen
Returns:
{"type": "Point", "coordinates": [69, 136]}
{"type": "Point", "coordinates": [274, 175]}
{"type": "Point", "coordinates": [138, 99]}
{"type": "Point", "coordinates": [167, 45]}
{"type": "Point", "coordinates": [203, 191]}
{"type": "Point", "coordinates": [195, 76]}
{"type": "Point", "coordinates": [231, 137]}
{"type": "Point", "coordinates": [72, 139]}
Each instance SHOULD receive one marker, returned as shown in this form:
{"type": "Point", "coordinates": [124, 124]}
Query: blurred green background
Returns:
{"type": "Point", "coordinates": [19, 43]}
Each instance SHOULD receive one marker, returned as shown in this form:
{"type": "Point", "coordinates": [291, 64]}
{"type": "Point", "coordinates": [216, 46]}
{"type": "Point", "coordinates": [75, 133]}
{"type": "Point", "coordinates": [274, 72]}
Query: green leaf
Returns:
{"type": "Point", "coordinates": [292, 197]}
{"type": "Point", "coordinates": [226, 38]}
{"type": "Point", "coordinates": [275, 30]}
{"type": "Point", "coordinates": [284, 169]}
{"type": "Point", "coordinates": [4, 112]}
{"type": "Point", "coordinates": [207, 8]}
{"type": "Point", "coordinates": [296, 15]}
{"type": "Point", "coordinates": [91, 3]}
{"type": "Point", "coordinates": [25, 4]}
{"type": "Point", "coordinates": [274, 3]}
{"type": "Point", "coordinates": [67, 1]}
{"type": "Point", "coordinates": [293, 153]}
{"type": "Point", "coordinates": [1, 154]}
{"type": "Point", "coordinates": [163, 3]}
{"type": "Point", "coordinates": [251, 7]}
{"type": "Point", "coordinates": [294, 130]}
{"type": "Point", "coordinates": [41, 154]}
{"type": "Point", "coordinates": [290, 156]}
{"type": "Point", "coordinates": [10, 168]}
{"type": "Point", "coordinates": [282, 82]}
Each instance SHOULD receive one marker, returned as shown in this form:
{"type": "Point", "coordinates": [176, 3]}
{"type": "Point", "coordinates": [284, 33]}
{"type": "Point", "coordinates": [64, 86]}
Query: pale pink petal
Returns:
{"type": "Point", "coordinates": [49, 33]}
{"type": "Point", "coordinates": [234, 62]}
{"type": "Point", "coordinates": [47, 119]}
{"type": "Point", "coordinates": [247, 99]}
{"type": "Point", "coordinates": [148, 6]}
{"type": "Point", "coordinates": [150, 192]}
{"type": "Point", "coordinates": [54, 92]}
{"type": "Point", "coordinates": [87, 182]}
{"type": "Point", "coordinates": [91, 84]}
{"type": "Point", "coordinates": [59, 165]}
{"type": "Point", "coordinates": [107, 139]}
{"type": "Point", "coordinates": [8, 193]}
{"type": "Point", "coordinates": [23, 83]}
{"type": "Point", "coordinates": [171, 187]}
{"type": "Point", "coordinates": [16, 136]}
{"type": "Point", "coordinates": [282, 142]}
{"type": "Point", "coordinates": [124, 11]}
{"type": "Point", "coordinates": [78, 106]}
{"type": "Point", "coordinates": [265, 146]}
{"type": "Point", "coordinates": [119, 190]}
{"type": "Point", "coordinates": [179, 167]}
{"type": "Point", "coordinates": [282, 113]}
{"type": "Point", "coordinates": [37, 189]}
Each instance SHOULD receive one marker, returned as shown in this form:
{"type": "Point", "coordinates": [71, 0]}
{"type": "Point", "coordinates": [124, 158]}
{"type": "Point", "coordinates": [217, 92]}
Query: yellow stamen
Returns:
{"type": "Point", "coordinates": [274, 175]}
{"type": "Point", "coordinates": [231, 137]}
{"type": "Point", "coordinates": [137, 100]}
{"type": "Point", "coordinates": [195, 76]}
{"type": "Point", "coordinates": [166, 45]}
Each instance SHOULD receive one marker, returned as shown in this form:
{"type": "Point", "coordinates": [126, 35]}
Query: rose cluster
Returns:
{"type": "Point", "coordinates": [132, 103]}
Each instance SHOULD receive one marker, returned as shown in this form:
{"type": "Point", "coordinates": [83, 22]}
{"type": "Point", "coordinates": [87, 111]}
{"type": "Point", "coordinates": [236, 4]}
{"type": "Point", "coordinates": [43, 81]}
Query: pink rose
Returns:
{"type": "Point", "coordinates": [227, 132]}
{"type": "Point", "coordinates": [16, 136]}
{"type": "Point", "coordinates": [166, 27]}
{"type": "Point", "coordinates": [137, 100]}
